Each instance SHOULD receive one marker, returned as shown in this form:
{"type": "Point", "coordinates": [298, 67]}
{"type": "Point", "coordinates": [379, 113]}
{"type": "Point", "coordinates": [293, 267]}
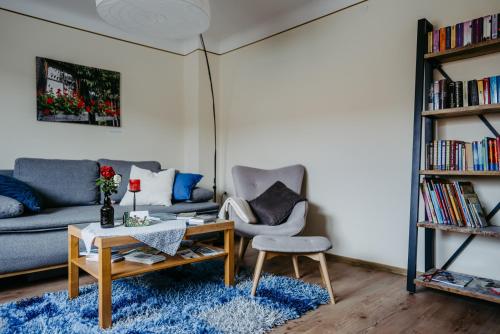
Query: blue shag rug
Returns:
{"type": "Point", "coordinates": [190, 299]}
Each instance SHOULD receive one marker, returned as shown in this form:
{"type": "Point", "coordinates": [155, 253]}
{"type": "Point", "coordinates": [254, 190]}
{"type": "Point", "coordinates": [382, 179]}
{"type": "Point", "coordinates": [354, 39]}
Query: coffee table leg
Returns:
{"type": "Point", "coordinates": [73, 279]}
{"type": "Point", "coordinates": [104, 287]}
{"type": "Point", "coordinates": [229, 260]}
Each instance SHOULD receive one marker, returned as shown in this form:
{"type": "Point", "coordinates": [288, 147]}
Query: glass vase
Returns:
{"type": "Point", "coordinates": [107, 213]}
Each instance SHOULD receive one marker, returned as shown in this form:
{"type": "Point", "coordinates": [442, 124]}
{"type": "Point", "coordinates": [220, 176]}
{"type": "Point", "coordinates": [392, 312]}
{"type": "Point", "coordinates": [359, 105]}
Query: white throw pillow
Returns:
{"type": "Point", "coordinates": [156, 188]}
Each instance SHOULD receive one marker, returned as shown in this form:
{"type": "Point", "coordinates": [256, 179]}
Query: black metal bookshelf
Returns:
{"type": "Point", "coordinates": [423, 133]}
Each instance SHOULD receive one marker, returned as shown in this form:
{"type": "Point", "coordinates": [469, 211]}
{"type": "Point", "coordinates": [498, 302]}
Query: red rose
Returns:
{"type": "Point", "coordinates": [50, 100]}
{"type": "Point", "coordinates": [87, 109]}
{"type": "Point", "coordinates": [107, 103]}
{"type": "Point", "coordinates": [107, 172]}
{"type": "Point", "coordinates": [81, 104]}
{"type": "Point", "coordinates": [92, 102]}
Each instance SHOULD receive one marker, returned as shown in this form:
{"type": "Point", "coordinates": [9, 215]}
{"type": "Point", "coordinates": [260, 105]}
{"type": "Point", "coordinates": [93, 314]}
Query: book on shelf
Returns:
{"type": "Point", "coordinates": [444, 94]}
{"type": "Point", "coordinates": [463, 34]}
{"type": "Point", "coordinates": [456, 155]}
{"type": "Point", "coordinates": [198, 251]}
{"type": "Point", "coordinates": [93, 255]}
{"type": "Point", "coordinates": [452, 203]}
{"type": "Point", "coordinates": [451, 278]}
{"type": "Point", "coordinates": [144, 258]}
{"type": "Point", "coordinates": [202, 219]}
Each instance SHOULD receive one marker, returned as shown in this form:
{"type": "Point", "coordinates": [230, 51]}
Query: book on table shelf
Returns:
{"type": "Point", "coordinates": [446, 94]}
{"type": "Point", "coordinates": [456, 155]}
{"type": "Point", "coordinates": [452, 203]}
{"type": "Point", "coordinates": [93, 255]}
{"type": "Point", "coordinates": [463, 34]}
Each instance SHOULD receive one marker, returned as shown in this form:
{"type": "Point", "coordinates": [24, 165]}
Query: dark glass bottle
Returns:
{"type": "Point", "coordinates": [107, 214]}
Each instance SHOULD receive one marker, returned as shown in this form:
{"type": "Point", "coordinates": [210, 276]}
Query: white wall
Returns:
{"type": "Point", "coordinates": [151, 96]}
{"type": "Point", "coordinates": [336, 95]}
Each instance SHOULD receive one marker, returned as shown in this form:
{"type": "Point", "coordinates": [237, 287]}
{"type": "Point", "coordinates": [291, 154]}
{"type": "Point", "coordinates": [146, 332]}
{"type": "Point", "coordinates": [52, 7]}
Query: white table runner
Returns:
{"type": "Point", "coordinates": [165, 236]}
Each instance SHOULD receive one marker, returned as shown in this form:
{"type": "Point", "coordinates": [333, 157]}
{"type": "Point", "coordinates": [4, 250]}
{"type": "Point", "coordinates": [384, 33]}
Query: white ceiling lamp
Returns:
{"type": "Point", "coordinates": [157, 18]}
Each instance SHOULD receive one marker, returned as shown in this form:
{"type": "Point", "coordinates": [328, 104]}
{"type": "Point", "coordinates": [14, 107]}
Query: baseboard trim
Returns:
{"type": "Point", "coordinates": [367, 264]}
{"type": "Point", "coordinates": [32, 271]}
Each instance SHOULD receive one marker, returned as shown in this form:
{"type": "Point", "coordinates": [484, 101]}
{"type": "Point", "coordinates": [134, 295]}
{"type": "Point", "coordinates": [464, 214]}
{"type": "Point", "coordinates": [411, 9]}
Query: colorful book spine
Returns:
{"type": "Point", "coordinates": [467, 33]}
{"type": "Point", "coordinates": [486, 91]}
{"type": "Point", "coordinates": [448, 38]}
{"type": "Point", "coordinates": [493, 90]}
{"type": "Point", "coordinates": [435, 39]}
{"type": "Point", "coordinates": [430, 42]}
{"type": "Point", "coordinates": [494, 26]}
{"type": "Point", "coordinates": [480, 91]}
{"type": "Point", "coordinates": [453, 37]}
{"type": "Point", "coordinates": [442, 39]}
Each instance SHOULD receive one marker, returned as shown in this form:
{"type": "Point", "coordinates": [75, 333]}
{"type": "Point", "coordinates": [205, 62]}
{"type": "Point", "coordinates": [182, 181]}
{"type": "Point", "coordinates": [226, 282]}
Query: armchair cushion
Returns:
{"type": "Point", "coordinates": [274, 205]}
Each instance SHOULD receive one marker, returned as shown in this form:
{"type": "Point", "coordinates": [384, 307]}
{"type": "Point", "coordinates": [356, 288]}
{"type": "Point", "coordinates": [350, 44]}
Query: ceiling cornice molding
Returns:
{"type": "Point", "coordinates": [197, 48]}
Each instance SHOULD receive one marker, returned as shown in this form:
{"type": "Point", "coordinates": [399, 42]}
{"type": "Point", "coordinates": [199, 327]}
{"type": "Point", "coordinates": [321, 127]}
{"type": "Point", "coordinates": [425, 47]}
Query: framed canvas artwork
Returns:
{"type": "Point", "coordinates": [77, 94]}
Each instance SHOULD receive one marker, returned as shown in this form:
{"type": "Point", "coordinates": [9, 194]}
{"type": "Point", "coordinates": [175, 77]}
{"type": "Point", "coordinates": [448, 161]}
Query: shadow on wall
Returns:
{"type": "Point", "coordinates": [316, 222]}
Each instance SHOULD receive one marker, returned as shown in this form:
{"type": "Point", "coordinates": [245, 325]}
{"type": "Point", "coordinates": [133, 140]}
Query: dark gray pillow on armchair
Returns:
{"type": "Point", "coordinates": [274, 205]}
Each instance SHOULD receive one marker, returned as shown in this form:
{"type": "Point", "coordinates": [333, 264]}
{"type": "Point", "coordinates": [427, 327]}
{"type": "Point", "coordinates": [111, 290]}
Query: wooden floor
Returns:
{"type": "Point", "coordinates": [368, 301]}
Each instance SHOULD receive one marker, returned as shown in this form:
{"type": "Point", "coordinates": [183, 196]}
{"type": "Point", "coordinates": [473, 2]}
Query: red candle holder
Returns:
{"type": "Point", "coordinates": [134, 185]}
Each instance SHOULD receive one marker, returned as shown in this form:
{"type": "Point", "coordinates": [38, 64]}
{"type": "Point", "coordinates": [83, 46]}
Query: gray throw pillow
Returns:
{"type": "Point", "coordinates": [10, 208]}
{"type": "Point", "coordinates": [201, 195]}
{"type": "Point", "coordinates": [274, 205]}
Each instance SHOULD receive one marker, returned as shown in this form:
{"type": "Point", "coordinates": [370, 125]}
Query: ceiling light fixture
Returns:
{"type": "Point", "coordinates": [157, 18]}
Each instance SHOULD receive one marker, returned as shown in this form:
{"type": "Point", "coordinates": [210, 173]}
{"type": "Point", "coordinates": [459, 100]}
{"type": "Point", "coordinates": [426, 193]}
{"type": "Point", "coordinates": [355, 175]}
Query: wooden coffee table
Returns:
{"type": "Point", "coordinates": [105, 271]}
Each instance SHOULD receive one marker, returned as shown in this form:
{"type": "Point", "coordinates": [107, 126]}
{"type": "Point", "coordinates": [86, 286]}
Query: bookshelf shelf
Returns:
{"type": "Point", "coordinates": [474, 289]}
{"type": "Point", "coordinates": [489, 231]}
{"type": "Point", "coordinates": [459, 173]}
{"type": "Point", "coordinates": [465, 52]}
{"type": "Point", "coordinates": [464, 111]}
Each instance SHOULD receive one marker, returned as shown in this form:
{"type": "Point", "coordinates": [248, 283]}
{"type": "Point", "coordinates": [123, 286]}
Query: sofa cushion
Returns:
{"type": "Point", "coordinates": [60, 218]}
{"type": "Point", "coordinates": [123, 167]}
{"type": "Point", "coordinates": [10, 207]}
{"type": "Point", "coordinates": [20, 191]}
{"type": "Point", "coordinates": [60, 182]}
{"type": "Point", "coordinates": [201, 195]}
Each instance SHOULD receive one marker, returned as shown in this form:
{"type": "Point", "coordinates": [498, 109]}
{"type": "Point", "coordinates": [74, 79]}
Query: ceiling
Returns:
{"type": "Point", "coordinates": [234, 23]}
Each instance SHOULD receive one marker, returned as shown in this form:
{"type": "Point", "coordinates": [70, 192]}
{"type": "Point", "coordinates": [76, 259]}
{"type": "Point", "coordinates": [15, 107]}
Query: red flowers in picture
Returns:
{"type": "Point", "coordinates": [75, 93]}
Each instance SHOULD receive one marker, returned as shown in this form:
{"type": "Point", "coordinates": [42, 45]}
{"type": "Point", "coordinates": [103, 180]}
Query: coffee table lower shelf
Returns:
{"type": "Point", "coordinates": [470, 290]}
{"type": "Point", "coordinates": [126, 268]}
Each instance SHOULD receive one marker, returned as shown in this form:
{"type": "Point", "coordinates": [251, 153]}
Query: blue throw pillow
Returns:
{"type": "Point", "coordinates": [20, 191]}
{"type": "Point", "coordinates": [184, 184]}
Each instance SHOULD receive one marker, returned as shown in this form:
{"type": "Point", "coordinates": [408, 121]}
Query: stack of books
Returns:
{"type": "Point", "coordinates": [452, 203]}
{"type": "Point", "coordinates": [483, 155]}
{"type": "Point", "coordinates": [93, 255]}
{"type": "Point", "coordinates": [445, 94]}
{"type": "Point", "coordinates": [463, 34]}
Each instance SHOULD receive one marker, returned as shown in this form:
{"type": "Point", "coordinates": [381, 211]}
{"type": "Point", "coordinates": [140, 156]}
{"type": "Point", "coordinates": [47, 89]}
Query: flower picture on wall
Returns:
{"type": "Point", "coordinates": [77, 94]}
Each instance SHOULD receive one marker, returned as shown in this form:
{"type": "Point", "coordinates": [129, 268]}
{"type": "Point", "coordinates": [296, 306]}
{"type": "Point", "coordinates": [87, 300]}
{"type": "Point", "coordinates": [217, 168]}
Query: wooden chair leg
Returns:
{"type": "Point", "coordinates": [326, 278]}
{"type": "Point", "coordinates": [295, 260]}
{"type": "Point", "coordinates": [242, 247]}
{"type": "Point", "coordinates": [258, 271]}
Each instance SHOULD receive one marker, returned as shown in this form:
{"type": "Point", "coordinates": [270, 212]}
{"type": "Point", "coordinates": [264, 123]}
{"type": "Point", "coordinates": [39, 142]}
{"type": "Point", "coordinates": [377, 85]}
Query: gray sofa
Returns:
{"type": "Point", "coordinates": [69, 194]}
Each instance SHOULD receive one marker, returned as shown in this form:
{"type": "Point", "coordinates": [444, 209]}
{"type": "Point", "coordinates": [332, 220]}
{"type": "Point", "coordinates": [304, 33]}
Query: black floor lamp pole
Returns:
{"type": "Point", "coordinates": [213, 112]}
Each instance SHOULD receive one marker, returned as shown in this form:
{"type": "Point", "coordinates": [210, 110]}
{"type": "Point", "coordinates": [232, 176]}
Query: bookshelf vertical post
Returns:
{"type": "Point", "coordinates": [420, 72]}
